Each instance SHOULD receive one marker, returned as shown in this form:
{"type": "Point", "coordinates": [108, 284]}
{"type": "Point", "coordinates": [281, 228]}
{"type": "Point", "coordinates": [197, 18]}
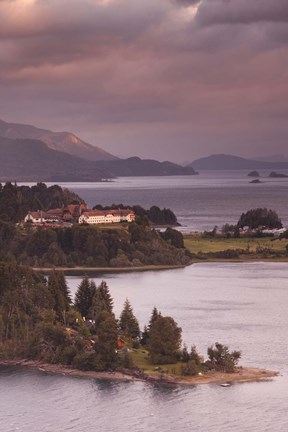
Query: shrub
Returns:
{"type": "Point", "coordinates": [190, 368]}
{"type": "Point", "coordinates": [67, 355]}
{"type": "Point", "coordinates": [86, 361]}
{"type": "Point", "coordinates": [221, 359]}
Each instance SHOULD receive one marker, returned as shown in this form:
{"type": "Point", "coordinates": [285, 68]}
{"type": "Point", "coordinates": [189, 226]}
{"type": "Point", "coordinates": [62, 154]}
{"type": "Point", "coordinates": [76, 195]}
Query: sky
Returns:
{"type": "Point", "coordinates": [165, 79]}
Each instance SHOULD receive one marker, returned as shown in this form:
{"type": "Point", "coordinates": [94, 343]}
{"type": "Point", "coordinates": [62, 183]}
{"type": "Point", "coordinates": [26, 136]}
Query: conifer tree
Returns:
{"type": "Point", "coordinates": [60, 293]}
{"type": "Point", "coordinates": [106, 345]}
{"type": "Point", "coordinates": [102, 301]}
{"type": "Point", "coordinates": [84, 296]}
{"type": "Point", "coordinates": [145, 334]}
{"type": "Point", "coordinates": [154, 316]}
{"type": "Point", "coordinates": [128, 323]}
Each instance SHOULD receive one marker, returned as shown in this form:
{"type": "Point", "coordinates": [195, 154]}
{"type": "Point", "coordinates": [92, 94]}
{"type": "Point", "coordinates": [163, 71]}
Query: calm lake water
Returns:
{"type": "Point", "coordinates": [242, 305]}
{"type": "Point", "coordinates": [199, 202]}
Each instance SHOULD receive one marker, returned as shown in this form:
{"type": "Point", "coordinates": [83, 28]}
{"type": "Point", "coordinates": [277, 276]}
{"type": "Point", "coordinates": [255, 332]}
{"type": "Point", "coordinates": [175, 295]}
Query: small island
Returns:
{"type": "Point", "coordinates": [254, 174]}
{"type": "Point", "coordinates": [274, 174]}
{"type": "Point", "coordinates": [255, 181]}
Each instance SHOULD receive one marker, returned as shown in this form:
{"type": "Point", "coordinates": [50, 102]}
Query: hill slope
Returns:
{"type": "Point", "coordinates": [230, 162]}
{"type": "Point", "coordinates": [65, 142]}
{"type": "Point", "coordinates": [33, 160]}
{"type": "Point", "coordinates": [135, 166]}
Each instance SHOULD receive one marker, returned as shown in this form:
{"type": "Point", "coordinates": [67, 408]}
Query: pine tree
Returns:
{"type": "Point", "coordinates": [128, 323]}
{"type": "Point", "coordinates": [84, 296]}
{"type": "Point", "coordinates": [154, 316]}
{"type": "Point", "coordinates": [60, 294]}
{"type": "Point", "coordinates": [144, 336]}
{"type": "Point", "coordinates": [106, 345]}
{"type": "Point", "coordinates": [102, 301]}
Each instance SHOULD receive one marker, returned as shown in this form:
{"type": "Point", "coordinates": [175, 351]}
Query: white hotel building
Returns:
{"type": "Point", "coordinates": [107, 216]}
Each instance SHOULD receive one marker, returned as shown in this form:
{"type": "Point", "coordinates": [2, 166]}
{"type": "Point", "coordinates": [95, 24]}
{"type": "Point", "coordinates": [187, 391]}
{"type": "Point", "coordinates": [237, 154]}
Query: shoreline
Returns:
{"type": "Point", "coordinates": [83, 270]}
{"type": "Point", "coordinates": [241, 374]}
{"type": "Point", "coordinates": [78, 271]}
{"type": "Point", "coordinates": [241, 260]}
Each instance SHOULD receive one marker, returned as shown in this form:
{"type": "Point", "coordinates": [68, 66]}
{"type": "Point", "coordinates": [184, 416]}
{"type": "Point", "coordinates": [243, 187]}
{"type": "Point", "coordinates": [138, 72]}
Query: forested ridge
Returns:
{"type": "Point", "coordinates": [16, 201]}
{"type": "Point", "coordinates": [132, 245]}
{"type": "Point", "coordinates": [92, 247]}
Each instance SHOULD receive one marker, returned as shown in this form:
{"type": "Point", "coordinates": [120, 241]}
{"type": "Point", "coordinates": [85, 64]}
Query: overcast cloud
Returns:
{"type": "Point", "coordinates": [165, 79]}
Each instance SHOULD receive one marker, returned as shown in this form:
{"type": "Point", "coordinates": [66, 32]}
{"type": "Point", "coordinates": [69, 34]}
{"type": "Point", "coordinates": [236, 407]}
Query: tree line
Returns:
{"type": "Point", "coordinates": [92, 247]}
{"type": "Point", "coordinates": [16, 201]}
{"type": "Point", "coordinates": [255, 220]}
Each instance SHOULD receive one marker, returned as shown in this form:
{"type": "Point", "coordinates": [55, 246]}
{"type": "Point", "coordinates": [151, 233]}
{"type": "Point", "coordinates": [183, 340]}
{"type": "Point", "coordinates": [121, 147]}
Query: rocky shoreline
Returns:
{"type": "Point", "coordinates": [241, 374]}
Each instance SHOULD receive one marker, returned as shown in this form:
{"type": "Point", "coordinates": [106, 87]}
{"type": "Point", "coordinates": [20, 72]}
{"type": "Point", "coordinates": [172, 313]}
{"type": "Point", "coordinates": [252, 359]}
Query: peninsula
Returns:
{"type": "Point", "coordinates": [240, 375]}
{"type": "Point", "coordinates": [84, 339]}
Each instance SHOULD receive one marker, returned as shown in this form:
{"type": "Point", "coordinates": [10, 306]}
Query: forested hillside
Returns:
{"type": "Point", "coordinates": [132, 245]}
{"type": "Point", "coordinates": [92, 247]}
{"type": "Point", "coordinates": [16, 201]}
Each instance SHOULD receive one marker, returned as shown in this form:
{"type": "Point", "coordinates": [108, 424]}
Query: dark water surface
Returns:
{"type": "Point", "coordinates": [199, 202]}
{"type": "Point", "coordinates": [242, 305]}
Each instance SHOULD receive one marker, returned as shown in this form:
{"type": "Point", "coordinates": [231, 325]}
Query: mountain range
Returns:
{"type": "Point", "coordinates": [231, 162]}
{"type": "Point", "coordinates": [32, 154]}
{"type": "Point", "coordinates": [65, 142]}
{"type": "Point", "coordinates": [32, 160]}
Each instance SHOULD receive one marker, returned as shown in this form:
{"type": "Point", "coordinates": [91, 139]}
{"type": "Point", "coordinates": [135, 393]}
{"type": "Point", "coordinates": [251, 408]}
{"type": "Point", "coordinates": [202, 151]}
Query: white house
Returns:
{"type": "Point", "coordinates": [41, 217]}
{"type": "Point", "coordinates": [107, 216]}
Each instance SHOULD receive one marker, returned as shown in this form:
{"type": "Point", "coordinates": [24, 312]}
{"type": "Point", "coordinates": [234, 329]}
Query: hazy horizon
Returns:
{"type": "Point", "coordinates": [165, 79]}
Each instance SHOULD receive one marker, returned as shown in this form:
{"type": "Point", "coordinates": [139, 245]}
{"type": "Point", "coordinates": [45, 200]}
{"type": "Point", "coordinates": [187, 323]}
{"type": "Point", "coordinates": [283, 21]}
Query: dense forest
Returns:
{"type": "Point", "coordinates": [92, 247]}
{"type": "Point", "coordinates": [39, 321]}
{"type": "Point", "coordinates": [132, 245]}
{"type": "Point", "coordinates": [16, 201]}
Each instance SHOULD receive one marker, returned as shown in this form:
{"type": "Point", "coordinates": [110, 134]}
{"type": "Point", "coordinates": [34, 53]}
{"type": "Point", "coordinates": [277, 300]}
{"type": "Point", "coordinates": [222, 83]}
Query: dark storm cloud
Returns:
{"type": "Point", "coordinates": [149, 77]}
{"type": "Point", "coordinates": [54, 32]}
{"type": "Point", "coordinates": [243, 11]}
{"type": "Point", "coordinates": [187, 2]}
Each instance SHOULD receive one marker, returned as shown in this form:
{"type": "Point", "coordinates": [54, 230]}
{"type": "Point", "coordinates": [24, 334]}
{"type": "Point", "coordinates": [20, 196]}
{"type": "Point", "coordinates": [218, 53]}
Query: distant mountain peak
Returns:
{"type": "Point", "coordinates": [66, 142]}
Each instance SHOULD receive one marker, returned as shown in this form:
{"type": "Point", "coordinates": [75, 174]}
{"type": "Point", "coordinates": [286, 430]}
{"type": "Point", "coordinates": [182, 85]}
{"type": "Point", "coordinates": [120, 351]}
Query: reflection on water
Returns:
{"type": "Point", "coordinates": [243, 305]}
{"type": "Point", "coordinates": [211, 302]}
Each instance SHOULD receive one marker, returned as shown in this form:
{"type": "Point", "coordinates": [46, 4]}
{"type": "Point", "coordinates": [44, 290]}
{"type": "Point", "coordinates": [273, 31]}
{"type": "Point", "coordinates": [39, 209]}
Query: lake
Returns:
{"type": "Point", "coordinates": [200, 202]}
{"type": "Point", "coordinates": [241, 305]}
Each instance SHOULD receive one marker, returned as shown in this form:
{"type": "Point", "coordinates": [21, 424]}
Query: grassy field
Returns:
{"type": "Point", "coordinates": [141, 360]}
{"type": "Point", "coordinates": [206, 245]}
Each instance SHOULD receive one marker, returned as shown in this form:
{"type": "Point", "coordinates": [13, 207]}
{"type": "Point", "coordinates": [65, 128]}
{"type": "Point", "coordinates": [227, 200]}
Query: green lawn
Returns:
{"type": "Point", "coordinates": [205, 245]}
{"type": "Point", "coordinates": [141, 360]}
